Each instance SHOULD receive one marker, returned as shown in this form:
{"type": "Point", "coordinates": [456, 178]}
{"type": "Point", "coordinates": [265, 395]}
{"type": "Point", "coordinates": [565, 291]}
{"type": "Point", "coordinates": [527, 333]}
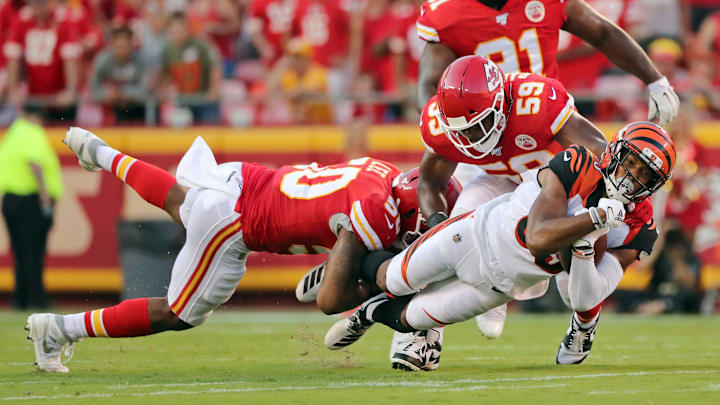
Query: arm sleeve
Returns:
{"type": "Point", "coordinates": [642, 239]}
{"type": "Point", "coordinates": [559, 105]}
{"type": "Point", "coordinates": [425, 26]}
{"type": "Point", "coordinates": [375, 221]}
{"type": "Point", "coordinates": [589, 284]}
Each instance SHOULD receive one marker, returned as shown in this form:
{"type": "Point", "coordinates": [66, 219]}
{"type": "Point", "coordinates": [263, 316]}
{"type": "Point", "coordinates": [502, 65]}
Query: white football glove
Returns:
{"type": "Point", "coordinates": [664, 104]}
{"type": "Point", "coordinates": [592, 237]}
{"type": "Point", "coordinates": [614, 211]}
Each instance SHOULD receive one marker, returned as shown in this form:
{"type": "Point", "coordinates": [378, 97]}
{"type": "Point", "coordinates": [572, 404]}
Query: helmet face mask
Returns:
{"type": "Point", "coordinates": [489, 124]}
{"type": "Point", "coordinates": [471, 104]}
{"type": "Point", "coordinates": [412, 222]}
{"type": "Point", "coordinates": [648, 144]}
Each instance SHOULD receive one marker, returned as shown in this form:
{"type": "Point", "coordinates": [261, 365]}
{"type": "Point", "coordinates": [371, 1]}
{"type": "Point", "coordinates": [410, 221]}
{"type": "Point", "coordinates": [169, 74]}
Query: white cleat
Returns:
{"type": "Point", "coordinates": [576, 345]}
{"type": "Point", "coordinates": [84, 143]}
{"type": "Point", "coordinates": [422, 352]}
{"type": "Point", "coordinates": [492, 322]}
{"type": "Point", "coordinates": [399, 341]}
{"type": "Point", "coordinates": [49, 341]}
{"type": "Point", "coordinates": [309, 286]}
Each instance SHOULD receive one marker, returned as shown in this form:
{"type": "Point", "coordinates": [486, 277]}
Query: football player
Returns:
{"type": "Point", "coordinates": [229, 210]}
{"type": "Point", "coordinates": [522, 36]}
{"type": "Point", "coordinates": [502, 124]}
{"type": "Point", "coordinates": [506, 248]}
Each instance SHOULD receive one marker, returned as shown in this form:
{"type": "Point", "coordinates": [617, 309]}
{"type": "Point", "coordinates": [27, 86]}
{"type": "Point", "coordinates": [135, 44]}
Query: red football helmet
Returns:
{"type": "Point", "coordinates": [652, 145]}
{"type": "Point", "coordinates": [471, 100]}
{"type": "Point", "coordinates": [412, 223]}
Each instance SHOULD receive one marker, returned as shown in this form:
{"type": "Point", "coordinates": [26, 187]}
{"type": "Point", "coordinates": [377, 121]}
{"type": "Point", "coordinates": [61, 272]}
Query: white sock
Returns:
{"type": "Point", "coordinates": [105, 155]}
{"type": "Point", "coordinates": [586, 325]}
{"type": "Point", "coordinates": [75, 326]}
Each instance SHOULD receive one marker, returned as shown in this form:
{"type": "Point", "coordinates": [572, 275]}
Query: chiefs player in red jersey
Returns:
{"type": "Point", "coordinates": [522, 36]}
{"type": "Point", "coordinates": [229, 210]}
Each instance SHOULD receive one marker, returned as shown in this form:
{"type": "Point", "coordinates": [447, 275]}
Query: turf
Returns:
{"type": "Point", "coordinates": [278, 357]}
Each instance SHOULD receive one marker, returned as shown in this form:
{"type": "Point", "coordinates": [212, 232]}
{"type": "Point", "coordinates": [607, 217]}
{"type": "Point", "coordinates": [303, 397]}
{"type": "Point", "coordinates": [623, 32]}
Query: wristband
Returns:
{"type": "Point", "coordinates": [435, 218]}
{"type": "Point", "coordinates": [595, 217]}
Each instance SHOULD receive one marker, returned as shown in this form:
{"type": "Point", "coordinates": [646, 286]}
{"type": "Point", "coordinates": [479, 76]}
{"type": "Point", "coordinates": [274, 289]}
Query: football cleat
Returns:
{"type": "Point", "coordinates": [308, 287]}
{"type": "Point", "coordinates": [399, 341]}
{"type": "Point", "coordinates": [421, 353]}
{"type": "Point", "coordinates": [492, 322]}
{"type": "Point", "coordinates": [50, 341]}
{"type": "Point", "coordinates": [347, 331]}
{"type": "Point", "coordinates": [576, 344]}
{"type": "Point", "coordinates": [84, 143]}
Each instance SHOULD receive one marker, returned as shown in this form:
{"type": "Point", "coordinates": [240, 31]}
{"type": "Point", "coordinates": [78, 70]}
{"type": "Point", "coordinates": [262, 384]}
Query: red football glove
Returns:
{"type": "Point", "coordinates": [639, 214]}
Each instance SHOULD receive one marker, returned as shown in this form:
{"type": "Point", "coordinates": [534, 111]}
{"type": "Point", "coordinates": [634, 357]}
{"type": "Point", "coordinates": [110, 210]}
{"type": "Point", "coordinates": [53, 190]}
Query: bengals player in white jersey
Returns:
{"type": "Point", "coordinates": [522, 36]}
{"type": "Point", "coordinates": [502, 124]}
{"type": "Point", "coordinates": [504, 249]}
{"type": "Point", "coordinates": [346, 210]}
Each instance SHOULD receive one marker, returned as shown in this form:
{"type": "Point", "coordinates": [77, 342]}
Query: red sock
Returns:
{"type": "Point", "coordinates": [150, 182]}
{"type": "Point", "coordinates": [127, 319]}
{"type": "Point", "coordinates": [587, 316]}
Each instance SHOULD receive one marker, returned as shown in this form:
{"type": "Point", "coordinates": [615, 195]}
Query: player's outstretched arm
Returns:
{"type": "Point", "coordinates": [433, 61]}
{"type": "Point", "coordinates": [609, 39]}
{"type": "Point", "coordinates": [625, 53]}
{"type": "Point", "coordinates": [549, 229]}
{"type": "Point", "coordinates": [578, 130]}
{"type": "Point", "coordinates": [340, 290]}
{"type": "Point", "coordinates": [435, 172]}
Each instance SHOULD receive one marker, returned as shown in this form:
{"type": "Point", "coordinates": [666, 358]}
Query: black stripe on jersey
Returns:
{"type": "Point", "coordinates": [644, 240]}
{"type": "Point", "coordinates": [594, 198]}
{"type": "Point", "coordinates": [565, 169]}
{"type": "Point", "coordinates": [656, 144]}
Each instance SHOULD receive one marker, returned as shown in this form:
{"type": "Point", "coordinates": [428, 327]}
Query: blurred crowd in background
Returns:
{"type": "Point", "coordinates": [239, 63]}
{"type": "Point", "coordinates": [259, 62]}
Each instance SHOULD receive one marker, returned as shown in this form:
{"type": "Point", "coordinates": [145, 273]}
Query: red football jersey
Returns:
{"type": "Point", "coordinates": [538, 109]}
{"type": "Point", "coordinates": [520, 37]}
{"type": "Point", "coordinates": [42, 47]}
{"type": "Point", "coordinates": [273, 18]}
{"type": "Point", "coordinates": [289, 210]}
{"type": "Point", "coordinates": [325, 24]}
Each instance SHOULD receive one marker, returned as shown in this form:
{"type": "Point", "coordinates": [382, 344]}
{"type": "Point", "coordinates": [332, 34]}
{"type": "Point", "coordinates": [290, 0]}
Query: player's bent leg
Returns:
{"type": "Point", "coordinates": [212, 262]}
{"type": "Point", "coordinates": [480, 190]}
{"type": "Point", "coordinates": [435, 256]}
{"type": "Point", "coordinates": [153, 184]}
{"type": "Point", "coordinates": [52, 334]}
{"type": "Point", "coordinates": [442, 303]}
{"type": "Point", "coordinates": [492, 322]}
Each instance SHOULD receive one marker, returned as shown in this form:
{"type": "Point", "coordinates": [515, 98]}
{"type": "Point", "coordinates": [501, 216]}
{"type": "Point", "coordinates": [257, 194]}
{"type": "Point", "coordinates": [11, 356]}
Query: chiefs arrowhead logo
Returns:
{"type": "Point", "coordinates": [493, 76]}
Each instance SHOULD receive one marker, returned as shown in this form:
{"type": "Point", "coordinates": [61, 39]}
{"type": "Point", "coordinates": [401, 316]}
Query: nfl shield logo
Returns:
{"type": "Point", "coordinates": [457, 238]}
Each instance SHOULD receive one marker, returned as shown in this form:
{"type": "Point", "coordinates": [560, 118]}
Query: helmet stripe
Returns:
{"type": "Point", "coordinates": [656, 144]}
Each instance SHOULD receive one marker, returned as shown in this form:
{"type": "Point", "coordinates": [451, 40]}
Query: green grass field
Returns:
{"type": "Point", "coordinates": [278, 357]}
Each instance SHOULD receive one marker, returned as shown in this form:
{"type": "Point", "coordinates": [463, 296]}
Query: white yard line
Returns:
{"type": "Point", "coordinates": [439, 386]}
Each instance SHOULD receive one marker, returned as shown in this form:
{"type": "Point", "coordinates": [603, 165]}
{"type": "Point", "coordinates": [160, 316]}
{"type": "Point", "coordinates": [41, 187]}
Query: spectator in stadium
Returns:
{"type": "Point", "coordinates": [191, 68]}
{"type": "Point", "coordinates": [31, 184]}
{"type": "Point", "coordinates": [48, 50]}
{"type": "Point", "coordinates": [269, 25]}
{"type": "Point", "coordinates": [219, 21]}
{"type": "Point", "coordinates": [302, 82]}
{"type": "Point", "coordinates": [705, 64]}
{"type": "Point", "coordinates": [119, 80]}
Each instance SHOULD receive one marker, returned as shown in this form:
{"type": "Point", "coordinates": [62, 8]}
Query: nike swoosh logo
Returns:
{"type": "Point", "coordinates": [566, 156]}
{"type": "Point", "coordinates": [390, 225]}
{"type": "Point", "coordinates": [554, 96]}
